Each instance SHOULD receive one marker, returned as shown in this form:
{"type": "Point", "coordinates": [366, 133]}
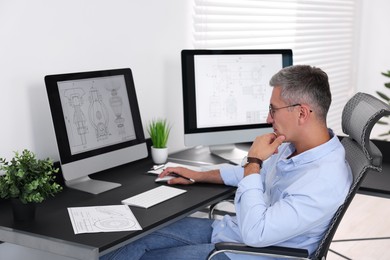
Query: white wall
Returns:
{"type": "Point", "coordinates": [45, 37]}
{"type": "Point", "coordinates": [374, 53]}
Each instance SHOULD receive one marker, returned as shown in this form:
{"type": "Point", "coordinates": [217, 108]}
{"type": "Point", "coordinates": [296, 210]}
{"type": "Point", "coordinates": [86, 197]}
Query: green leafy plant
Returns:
{"type": "Point", "coordinates": [386, 99]}
{"type": "Point", "coordinates": [27, 178]}
{"type": "Point", "coordinates": [159, 130]}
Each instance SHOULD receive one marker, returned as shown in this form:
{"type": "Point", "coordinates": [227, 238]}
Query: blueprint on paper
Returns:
{"type": "Point", "coordinates": [103, 219]}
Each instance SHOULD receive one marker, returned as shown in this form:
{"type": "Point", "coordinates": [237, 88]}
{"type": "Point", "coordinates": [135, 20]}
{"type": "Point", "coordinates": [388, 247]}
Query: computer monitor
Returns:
{"type": "Point", "coordinates": [97, 124]}
{"type": "Point", "coordinates": [226, 96]}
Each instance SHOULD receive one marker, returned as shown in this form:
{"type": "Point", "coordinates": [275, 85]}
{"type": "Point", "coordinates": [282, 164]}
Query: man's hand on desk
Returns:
{"type": "Point", "coordinates": [186, 176]}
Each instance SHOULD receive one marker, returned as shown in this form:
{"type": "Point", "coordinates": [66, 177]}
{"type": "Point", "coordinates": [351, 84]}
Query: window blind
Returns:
{"type": "Point", "coordinates": [321, 33]}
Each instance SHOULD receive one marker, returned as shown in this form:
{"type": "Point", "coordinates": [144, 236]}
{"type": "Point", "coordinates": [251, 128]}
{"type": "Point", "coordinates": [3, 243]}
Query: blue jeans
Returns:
{"type": "Point", "coordinates": [188, 238]}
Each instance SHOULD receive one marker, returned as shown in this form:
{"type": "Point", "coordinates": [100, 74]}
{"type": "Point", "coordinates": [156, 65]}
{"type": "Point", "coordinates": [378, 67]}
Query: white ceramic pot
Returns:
{"type": "Point", "coordinates": [159, 155]}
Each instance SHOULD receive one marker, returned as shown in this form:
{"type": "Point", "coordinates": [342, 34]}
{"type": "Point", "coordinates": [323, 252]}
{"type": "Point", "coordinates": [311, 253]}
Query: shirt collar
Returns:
{"type": "Point", "coordinates": [314, 153]}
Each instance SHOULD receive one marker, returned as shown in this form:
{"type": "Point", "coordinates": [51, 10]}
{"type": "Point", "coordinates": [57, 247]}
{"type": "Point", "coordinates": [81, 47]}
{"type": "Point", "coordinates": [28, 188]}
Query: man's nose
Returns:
{"type": "Point", "coordinates": [270, 120]}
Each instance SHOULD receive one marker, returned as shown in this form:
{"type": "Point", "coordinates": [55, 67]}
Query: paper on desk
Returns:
{"type": "Point", "coordinates": [171, 164]}
{"type": "Point", "coordinates": [103, 219]}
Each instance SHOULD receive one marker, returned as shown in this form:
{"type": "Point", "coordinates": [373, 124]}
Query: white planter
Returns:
{"type": "Point", "coordinates": [159, 155]}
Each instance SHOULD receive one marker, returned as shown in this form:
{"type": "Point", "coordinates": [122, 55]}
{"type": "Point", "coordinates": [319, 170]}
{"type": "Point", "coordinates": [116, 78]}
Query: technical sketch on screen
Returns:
{"type": "Point", "coordinates": [95, 112]}
{"type": "Point", "coordinates": [233, 88]}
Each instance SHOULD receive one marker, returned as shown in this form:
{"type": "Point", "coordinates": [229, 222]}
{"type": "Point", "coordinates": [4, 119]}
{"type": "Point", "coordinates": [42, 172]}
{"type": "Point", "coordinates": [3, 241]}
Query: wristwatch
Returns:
{"type": "Point", "coordinates": [247, 160]}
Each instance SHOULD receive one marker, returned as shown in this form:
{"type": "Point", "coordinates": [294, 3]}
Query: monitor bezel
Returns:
{"type": "Point", "coordinates": [188, 81]}
{"type": "Point", "coordinates": [59, 121]}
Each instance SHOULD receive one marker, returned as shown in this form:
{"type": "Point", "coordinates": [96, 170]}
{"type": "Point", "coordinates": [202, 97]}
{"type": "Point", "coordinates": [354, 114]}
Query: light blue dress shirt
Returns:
{"type": "Point", "coordinates": [290, 203]}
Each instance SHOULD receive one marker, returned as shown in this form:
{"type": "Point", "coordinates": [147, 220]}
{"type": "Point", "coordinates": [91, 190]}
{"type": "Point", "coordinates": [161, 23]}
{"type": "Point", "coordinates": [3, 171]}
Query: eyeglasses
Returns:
{"type": "Point", "coordinates": [272, 110]}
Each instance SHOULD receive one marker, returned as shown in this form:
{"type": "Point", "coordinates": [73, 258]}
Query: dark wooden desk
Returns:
{"type": "Point", "coordinates": [52, 230]}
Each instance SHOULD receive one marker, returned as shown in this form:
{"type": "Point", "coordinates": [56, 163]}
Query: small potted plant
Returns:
{"type": "Point", "coordinates": [27, 181]}
{"type": "Point", "coordinates": [159, 130]}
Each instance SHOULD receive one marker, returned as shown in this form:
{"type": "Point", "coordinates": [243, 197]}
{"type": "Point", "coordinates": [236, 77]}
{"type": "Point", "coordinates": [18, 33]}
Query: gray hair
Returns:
{"type": "Point", "coordinates": [303, 84]}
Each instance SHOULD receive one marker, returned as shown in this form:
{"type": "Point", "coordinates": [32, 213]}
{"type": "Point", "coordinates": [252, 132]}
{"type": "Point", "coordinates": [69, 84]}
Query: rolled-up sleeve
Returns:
{"type": "Point", "coordinates": [231, 176]}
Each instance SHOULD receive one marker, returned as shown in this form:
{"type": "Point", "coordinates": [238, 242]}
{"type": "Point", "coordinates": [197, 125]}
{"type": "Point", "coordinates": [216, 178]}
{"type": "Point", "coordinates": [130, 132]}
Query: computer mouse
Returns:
{"type": "Point", "coordinates": [164, 179]}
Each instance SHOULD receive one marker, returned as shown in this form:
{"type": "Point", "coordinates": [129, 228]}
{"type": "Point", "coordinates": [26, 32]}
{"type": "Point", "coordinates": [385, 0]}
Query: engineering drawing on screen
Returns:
{"type": "Point", "coordinates": [234, 88]}
{"type": "Point", "coordinates": [95, 113]}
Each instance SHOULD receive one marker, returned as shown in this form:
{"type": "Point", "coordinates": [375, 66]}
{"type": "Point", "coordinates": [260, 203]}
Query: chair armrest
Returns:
{"type": "Point", "coordinates": [286, 252]}
{"type": "Point", "coordinates": [214, 206]}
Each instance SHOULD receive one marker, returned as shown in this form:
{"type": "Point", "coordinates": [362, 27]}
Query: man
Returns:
{"type": "Point", "coordinates": [286, 193]}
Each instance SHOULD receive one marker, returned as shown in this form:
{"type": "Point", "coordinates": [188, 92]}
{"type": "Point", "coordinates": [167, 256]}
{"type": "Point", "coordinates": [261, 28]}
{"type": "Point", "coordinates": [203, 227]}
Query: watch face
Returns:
{"type": "Point", "coordinates": [244, 161]}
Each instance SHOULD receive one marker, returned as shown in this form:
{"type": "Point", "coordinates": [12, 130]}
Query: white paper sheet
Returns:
{"type": "Point", "coordinates": [172, 164]}
{"type": "Point", "coordinates": [103, 219]}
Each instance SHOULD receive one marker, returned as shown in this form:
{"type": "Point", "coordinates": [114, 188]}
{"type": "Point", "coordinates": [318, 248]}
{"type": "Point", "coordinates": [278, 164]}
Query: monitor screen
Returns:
{"type": "Point", "coordinates": [226, 96]}
{"type": "Point", "coordinates": [97, 124]}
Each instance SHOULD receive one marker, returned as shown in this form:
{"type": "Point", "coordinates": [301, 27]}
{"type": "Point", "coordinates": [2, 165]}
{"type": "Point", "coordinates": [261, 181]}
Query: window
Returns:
{"type": "Point", "coordinates": [320, 33]}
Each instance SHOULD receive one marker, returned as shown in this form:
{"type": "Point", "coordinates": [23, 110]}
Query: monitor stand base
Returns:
{"type": "Point", "coordinates": [91, 185]}
{"type": "Point", "coordinates": [229, 152]}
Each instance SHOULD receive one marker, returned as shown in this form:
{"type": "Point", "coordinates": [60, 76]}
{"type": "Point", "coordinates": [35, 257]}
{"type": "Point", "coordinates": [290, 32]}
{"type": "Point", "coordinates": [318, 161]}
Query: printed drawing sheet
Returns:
{"type": "Point", "coordinates": [103, 219]}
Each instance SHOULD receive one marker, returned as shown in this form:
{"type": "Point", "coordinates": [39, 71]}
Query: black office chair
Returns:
{"type": "Point", "coordinates": [360, 114]}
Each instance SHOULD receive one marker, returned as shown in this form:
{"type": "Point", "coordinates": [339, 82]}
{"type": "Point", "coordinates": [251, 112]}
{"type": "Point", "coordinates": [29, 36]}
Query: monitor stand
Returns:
{"type": "Point", "coordinates": [229, 152]}
{"type": "Point", "coordinates": [91, 185]}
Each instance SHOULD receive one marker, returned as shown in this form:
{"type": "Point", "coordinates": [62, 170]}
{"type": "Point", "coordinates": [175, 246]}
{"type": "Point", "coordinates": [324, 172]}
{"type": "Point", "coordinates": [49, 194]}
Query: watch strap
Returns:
{"type": "Point", "coordinates": [255, 160]}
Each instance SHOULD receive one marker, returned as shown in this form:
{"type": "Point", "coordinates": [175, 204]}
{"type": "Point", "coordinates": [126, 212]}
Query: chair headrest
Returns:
{"type": "Point", "coordinates": [360, 114]}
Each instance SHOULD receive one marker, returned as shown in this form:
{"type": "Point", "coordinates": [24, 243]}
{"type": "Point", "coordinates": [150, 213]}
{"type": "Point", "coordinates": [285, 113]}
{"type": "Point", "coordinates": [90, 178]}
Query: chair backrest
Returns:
{"type": "Point", "coordinates": [359, 116]}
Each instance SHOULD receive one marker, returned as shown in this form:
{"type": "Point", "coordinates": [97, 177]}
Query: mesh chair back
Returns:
{"type": "Point", "coordinates": [359, 116]}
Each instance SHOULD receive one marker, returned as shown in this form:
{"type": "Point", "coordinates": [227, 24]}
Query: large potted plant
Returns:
{"type": "Point", "coordinates": [26, 181]}
{"type": "Point", "coordinates": [159, 130]}
{"type": "Point", "coordinates": [386, 99]}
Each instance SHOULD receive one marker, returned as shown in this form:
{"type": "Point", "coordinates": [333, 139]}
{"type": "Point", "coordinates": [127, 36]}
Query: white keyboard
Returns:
{"type": "Point", "coordinates": [152, 197]}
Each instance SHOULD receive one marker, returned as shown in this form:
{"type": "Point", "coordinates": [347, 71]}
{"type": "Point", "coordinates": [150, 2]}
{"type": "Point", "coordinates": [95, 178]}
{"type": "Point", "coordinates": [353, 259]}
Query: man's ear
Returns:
{"type": "Point", "coordinates": [304, 112]}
